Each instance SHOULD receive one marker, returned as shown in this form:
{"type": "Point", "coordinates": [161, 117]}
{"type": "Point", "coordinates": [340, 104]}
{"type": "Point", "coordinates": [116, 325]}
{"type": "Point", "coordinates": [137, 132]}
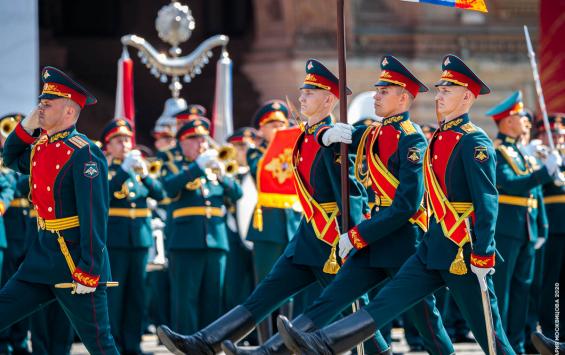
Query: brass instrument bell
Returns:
{"type": "Point", "coordinates": [7, 126]}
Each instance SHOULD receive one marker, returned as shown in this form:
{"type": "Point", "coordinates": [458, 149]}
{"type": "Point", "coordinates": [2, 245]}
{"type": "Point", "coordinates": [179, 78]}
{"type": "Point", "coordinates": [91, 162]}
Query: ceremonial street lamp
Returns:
{"type": "Point", "coordinates": [174, 25]}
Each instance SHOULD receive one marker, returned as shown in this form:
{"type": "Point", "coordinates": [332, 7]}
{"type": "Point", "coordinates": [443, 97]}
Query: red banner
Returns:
{"type": "Point", "coordinates": [552, 54]}
{"type": "Point", "coordinates": [275, 172]}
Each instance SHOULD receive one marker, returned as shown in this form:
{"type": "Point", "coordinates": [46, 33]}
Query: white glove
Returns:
{"type": "Point", "coordinates": [345, 245]}
{"type": "Point", "coordinates": [140, 166]}
{"type": "Point", "coordinates": [532, 147]}
{"type": "Point", "coordinates": [553, 162]}
{"type": "Point", "coordinates": [339, 133]}
{"type": "Point", "coordinates": [482, 275]}
{"type": "Point", "coordinates": [130, 160]}
{"type": "Point", "coordinates": [205, 158]}
{"type": "Point", "coordinates": [81, 289]}
{"type": "Point", "coordinates": [539, 243]}
{"type": "Point", "coordinates": [559, 179]}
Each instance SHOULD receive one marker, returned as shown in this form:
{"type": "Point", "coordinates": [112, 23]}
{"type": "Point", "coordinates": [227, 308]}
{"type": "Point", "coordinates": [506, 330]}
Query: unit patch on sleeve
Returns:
{"type": "Point", "coordinates": [414, 155]}
{"type": "Point", "coordinates": [90, 169]}
{"type": "Point", "coordinates": [481, 154]}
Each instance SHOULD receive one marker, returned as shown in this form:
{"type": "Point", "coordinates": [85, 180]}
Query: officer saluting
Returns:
{"type": "Point", "coordinates": [521, 216]}
{"type": "Point", "coordinates": [129, 233]}
{"type": "Point", "coordinates": [459, 175]}
{"type": "Point", "coordinates": [69, 190]}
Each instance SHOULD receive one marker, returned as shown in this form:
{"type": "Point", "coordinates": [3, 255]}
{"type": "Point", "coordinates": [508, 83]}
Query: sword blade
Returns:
{"type": "Point", "coordinates": [485, 298]}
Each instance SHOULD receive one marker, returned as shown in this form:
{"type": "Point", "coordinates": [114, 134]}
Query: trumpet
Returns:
{"type": "Point", "coordinates": [232, 167]}
{"type": "Point", "coordinates": [154, 166]}
{"type": "Point", "coordinates": [8, 125]}
{"type": "Point", "coordinates": [226, 158]}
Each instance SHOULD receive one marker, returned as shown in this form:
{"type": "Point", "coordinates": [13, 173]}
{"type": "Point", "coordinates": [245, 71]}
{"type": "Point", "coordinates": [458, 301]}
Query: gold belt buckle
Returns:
{"type": "Point", "coordinates": [208, 212]}
{"type": "Point", "coordinates": [132, 213]}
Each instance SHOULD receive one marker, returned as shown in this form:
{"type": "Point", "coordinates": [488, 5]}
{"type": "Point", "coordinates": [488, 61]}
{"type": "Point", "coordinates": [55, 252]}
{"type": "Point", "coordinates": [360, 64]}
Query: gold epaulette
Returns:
{"type": "Point", "coordinates": [468, 127]}
{"type": "Point", "coordinates": [407, 127]}
{"type": "Point", "coordinates": [78, 141]}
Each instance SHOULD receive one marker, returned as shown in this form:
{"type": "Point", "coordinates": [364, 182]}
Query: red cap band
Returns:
{"type": "Point", "coordinates": [64, 91]}
{"type": "Point", "coordinates": [322, 83]}
{"type": "Point", "coordinates": [401, 80]}
{"type": "Point", "coordinates": [461, 80]}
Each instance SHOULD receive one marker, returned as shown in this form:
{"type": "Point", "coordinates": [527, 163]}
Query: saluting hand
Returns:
{"type": "Point", "coordinates": [339, 133]}
{"type": "Point", "coordinates": [31, 121]}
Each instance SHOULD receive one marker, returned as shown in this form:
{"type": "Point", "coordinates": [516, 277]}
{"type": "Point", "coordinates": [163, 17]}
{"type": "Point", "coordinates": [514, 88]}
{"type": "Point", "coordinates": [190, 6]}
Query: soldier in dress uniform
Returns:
{"type": "Point", "coordinates": [129, 233]}
{"type": "Point", "coordinates": [554, 258]}
{"type": "Point", "coordinates": [311, 254]}
{"type": "Point", "coordinates": [459, 176]}
{"type": "Point", "coordinates": [394, 151]}
{"type": "Point", "coordinates": [275, 221]}
{"type": "Point", "coordinates": [165, 141]}
{"type": "Point", "coordinates": [69, 190]}
{"type": "Point", "coordinates": [521, 216]}
{"type": "Point", "coordinates": [197, 250]}
{"type": "Point", "coordinates": [239, 263]}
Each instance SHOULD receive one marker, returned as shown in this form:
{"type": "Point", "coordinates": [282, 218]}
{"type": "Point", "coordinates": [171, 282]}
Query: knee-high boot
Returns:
{"type": "Point", "coordinates": [273, 346]}
{"type": "Point", "coordinates": [234, 325]}
{"type": "Point", "coordinates": [335, 338]}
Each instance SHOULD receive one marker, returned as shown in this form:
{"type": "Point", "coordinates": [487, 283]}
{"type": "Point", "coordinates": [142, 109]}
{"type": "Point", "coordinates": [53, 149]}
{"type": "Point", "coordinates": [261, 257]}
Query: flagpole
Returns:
{"type": "Point", "coordinates": [344, 154]}
{"type": "Point", "coordinates": [343, 115]}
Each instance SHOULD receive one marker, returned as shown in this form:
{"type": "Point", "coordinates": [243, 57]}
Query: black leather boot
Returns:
{"type": "Point", "coordinates": [234, 325]}
{"type": "Point", "coordinates": [335, 338]}
{"type": "Point", "coordinates": [547, 346]}
{"type": "Point", "coordinates": [273, 346]}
